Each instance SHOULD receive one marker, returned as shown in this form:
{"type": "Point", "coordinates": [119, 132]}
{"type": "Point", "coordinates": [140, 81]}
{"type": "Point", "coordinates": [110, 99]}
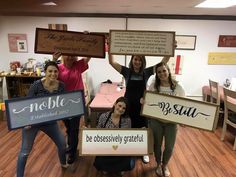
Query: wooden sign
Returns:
{"type": "Point", "coordinates": [30, 111]}
{"type": "Point", "coordinates": [150, 43]}
{"type": "Point", "coordinates": [227, 41]}
{"type": "Point", "coordinates": [222, 58]}
{"type": "Point", "coordinates": [114, 142]}
{"type": "Point", "coordinates": [69, 43]}
{"type": "Point", "coordinates": [180, 110]}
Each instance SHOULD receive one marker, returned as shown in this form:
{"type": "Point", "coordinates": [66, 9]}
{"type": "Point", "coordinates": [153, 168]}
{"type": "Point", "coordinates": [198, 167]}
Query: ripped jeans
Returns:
{"type": "Point", "coordinates": [28, 137]}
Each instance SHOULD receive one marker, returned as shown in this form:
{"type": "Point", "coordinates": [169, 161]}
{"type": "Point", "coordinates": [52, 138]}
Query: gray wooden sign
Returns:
{"type": "Point", "coordinates": [29, 111]}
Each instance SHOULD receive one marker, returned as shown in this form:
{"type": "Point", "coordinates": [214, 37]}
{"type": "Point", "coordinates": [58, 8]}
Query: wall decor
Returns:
{"type": "Point", "coordinates": [62, 27]}
{"type": "Point", "coordinates": [222, 58]}
{"type": "Point", "coordinates": [185, 42]}
{"type": "Point", "coordinates": [176, 64]}
{"type": "Point", "coordinates": [17, 43]}
{"type": "Point", "coordinates": [227, 41]}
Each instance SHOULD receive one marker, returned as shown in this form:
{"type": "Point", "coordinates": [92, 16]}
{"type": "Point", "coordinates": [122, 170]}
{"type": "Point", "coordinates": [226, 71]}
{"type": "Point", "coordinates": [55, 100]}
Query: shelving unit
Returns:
{"type": "Point", "coordinates": [18, 86]}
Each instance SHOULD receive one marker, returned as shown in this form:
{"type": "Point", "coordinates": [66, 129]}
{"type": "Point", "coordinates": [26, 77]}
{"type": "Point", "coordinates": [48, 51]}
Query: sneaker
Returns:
{"type": "Point", "coordinates": [64, 166]}
{"type": "Point", "coordinates": [159, 171]}
{"type": "Point", "coordinates": [146, 159]}
{"type": "Point", "coordinates": [166, 171]}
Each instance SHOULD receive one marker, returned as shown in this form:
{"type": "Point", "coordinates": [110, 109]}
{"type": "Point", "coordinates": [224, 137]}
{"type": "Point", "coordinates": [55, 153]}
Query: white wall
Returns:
{"type": "Point", "coordinates": [196, 71]}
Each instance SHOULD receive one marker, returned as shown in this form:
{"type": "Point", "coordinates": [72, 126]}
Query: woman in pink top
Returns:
{"type": "Point", "coordinates": [70, 72]}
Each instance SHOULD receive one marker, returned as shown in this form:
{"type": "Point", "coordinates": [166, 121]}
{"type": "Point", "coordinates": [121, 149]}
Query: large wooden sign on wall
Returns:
{"type": "Point", "coordinates": [26, 111]}
{"type": "Point", "coordinates": [114, 142]}
{"type": "Point", "coordinates": [150, 43]}
{"type": "Point", "coordinates": [181, 110]}
{"type": "Point", "coordinates": [69, 43]}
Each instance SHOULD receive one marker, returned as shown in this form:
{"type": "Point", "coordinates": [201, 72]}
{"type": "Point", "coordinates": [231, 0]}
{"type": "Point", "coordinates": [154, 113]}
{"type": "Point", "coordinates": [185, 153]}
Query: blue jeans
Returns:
{"type": "Point", "coordinates": [28, 137]}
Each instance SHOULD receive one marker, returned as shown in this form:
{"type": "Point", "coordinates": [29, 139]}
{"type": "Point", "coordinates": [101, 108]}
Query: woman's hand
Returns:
{"type": "Point", "coordinates": [27, 127]}
{"type": "Point", "coordinates": [142, 101]}
{"type": "Point", "coordinates": [56, 55]}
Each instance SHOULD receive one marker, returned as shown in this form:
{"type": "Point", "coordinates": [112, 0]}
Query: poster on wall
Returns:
{"type": "Point", "coordinates": [17, 43]}
{"type": "Point", "coordinates": [227, 41]}
{"type": "Point", "coordinates": [222, 58]}
{"type": "Point", "coordinates": [176, 64]}
{"type": "Point", "coordinates": [185, 42]}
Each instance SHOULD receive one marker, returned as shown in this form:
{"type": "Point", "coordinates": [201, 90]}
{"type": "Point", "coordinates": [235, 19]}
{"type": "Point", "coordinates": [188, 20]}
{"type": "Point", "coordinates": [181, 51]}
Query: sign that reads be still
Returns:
{"type": "Point", "coordinates": [175, 109]}
{"type": "Point", "coordinates": [29, 111]}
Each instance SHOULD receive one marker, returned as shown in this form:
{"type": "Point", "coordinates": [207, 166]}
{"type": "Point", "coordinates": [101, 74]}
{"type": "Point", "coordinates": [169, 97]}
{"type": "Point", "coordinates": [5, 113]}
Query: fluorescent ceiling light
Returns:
{"type": "Point", "coordinates": [217, 4]}
{"type": "Point", "coordinates": [49, 4]}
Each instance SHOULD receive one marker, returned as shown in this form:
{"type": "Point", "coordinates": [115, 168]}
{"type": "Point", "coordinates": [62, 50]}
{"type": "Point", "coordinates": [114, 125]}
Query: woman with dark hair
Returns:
{"type": "Point", "coordinates": [163, 83]}
{"type": "Point", "coordinates": [45, 86]}
{"type": "Point", "coordinates": [136, 77]}
{"type": "Point", "coordinates": [116, 118]}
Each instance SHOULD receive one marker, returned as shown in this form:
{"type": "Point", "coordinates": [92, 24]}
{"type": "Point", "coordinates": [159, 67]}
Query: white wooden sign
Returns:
{"type": "Point", "coordinates": [181, 110]}
{"type": "Point", "coordinates": [151, 43]}
{"type": "Point", "coordinates": [114, 142]}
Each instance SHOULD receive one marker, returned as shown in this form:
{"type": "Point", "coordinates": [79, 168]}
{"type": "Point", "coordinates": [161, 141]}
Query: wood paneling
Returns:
{"type": "Point", "coordinates": [197, 153]}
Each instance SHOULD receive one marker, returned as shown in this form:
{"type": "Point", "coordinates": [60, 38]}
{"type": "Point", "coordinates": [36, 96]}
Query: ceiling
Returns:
{"type": "Point", "coordinates": [111, 8]}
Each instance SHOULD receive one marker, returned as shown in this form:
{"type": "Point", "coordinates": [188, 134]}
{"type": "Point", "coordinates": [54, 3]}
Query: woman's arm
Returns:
{"type": "Point", "coordinates": [114, 64]}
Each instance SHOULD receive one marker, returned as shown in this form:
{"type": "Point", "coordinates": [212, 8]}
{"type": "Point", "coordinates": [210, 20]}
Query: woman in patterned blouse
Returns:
{"type": "Point", "coordinates": [116, 118]}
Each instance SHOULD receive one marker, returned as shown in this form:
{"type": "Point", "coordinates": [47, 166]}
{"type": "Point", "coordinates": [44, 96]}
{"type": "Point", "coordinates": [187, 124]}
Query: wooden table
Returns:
{"type": "Point", "coordinates": [104, 100]}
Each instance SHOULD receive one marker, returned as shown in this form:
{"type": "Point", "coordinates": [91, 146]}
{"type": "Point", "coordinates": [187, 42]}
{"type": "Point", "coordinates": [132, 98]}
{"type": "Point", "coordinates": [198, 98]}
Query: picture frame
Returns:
{"type": "Point", "coordinates": [227, 41]}
{"type": "Point", "coordinates": [181, 110]}
{"type": "Point", "coordinates": [18, 43]}
{"type": "Point", "coordinates": [185, 42]}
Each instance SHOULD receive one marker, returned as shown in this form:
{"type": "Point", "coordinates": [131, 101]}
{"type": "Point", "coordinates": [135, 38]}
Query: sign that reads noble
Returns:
{"type": "Point", "coordinates": [29, 111]}
{"type": "Point", "coordinates": [69, 43]}
{"type": "Point", "coordinates": [179, 110]}
{"type": "Point", "coordinates": [113, 142]}
{"type": "Point", "coordinates": [152, 43]}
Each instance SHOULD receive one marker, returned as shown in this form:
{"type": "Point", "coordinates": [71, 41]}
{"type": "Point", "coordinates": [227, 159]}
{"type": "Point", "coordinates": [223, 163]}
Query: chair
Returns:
{"type": "Point", "coordinates": [229, 113]}
{"type": "Point", "coordinates": [215, 98]}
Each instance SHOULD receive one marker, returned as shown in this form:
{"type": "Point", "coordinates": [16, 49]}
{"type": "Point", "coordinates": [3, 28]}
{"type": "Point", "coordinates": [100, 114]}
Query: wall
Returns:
{"type": "Point", "coordinates": [196, 71]}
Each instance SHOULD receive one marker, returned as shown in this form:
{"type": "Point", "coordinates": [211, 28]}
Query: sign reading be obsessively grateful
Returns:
{"type": "Point", "coordinates": [114, 142]}
{"type": "Point", "coordinates": [22, 112]}
{"type": "Point", "coordinates": [181, 110]}
{"type": "Point", "coordinates": [152, 43]}
{"type": "Point", "coordinates": [69, 43]}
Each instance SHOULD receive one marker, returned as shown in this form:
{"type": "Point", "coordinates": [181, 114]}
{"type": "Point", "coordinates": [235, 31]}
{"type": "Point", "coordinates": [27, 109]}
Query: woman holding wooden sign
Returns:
{"type": "Point", "coordinates": [136, 77]}
{"type": "Point", "coordinates": [116, 118]}
{"type": "Point", "coordinates": [70, 72]}
{"type": "Point", "coordinates": [163, 83]}
{"type": "Point", "coordinates": [45, 86]}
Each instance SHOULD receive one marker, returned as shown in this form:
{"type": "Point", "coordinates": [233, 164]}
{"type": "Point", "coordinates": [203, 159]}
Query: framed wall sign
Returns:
{"type": "Point", "coordinates": [106, 39]}
{"type": "Point", "coordinates": [69, 43]}
{"type": "Point", "coordinates": [180, 110]}
{"type": "Point", "coordinates": [30, 111]}
{"type": "Point", "coordinates": [113, 142]}
{"type": "Point", "coordinates": [227, 41]}
{"type": "Point", "coordinates": [150, 43]}
{"type": "Point", "coordinates": [17, 43]}
{"type": "Point", "coordinates": [185, 42]}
